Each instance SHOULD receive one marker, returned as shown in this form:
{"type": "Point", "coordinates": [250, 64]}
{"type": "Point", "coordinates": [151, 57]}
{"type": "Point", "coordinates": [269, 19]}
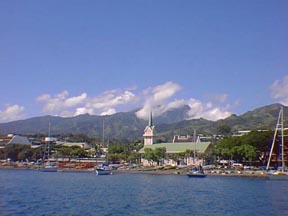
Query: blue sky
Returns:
{"type": "Point", "coordinates": [73, 57]}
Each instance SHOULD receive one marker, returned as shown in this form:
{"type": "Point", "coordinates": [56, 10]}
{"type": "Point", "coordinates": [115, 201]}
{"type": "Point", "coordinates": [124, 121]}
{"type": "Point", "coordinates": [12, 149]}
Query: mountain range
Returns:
{"type": "Point", "coordinates": [127, 126]}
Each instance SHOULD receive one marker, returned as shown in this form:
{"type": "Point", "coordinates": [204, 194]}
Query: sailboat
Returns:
{"type": "Point", "coordinates": [196, 171]}
{"type": "Point", "coordinates": [280, 174]}
{"type": "Point", "coordinates": [104, 168]}
{"type": "Point", "coordinates": [48, 166]}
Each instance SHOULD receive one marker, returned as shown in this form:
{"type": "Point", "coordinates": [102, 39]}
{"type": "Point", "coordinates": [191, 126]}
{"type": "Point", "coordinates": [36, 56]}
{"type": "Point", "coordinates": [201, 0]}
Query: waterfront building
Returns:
{"type": "Point", "coordinates": [12, 139]}
{"type": "Point", "coordinates": [180, 144]}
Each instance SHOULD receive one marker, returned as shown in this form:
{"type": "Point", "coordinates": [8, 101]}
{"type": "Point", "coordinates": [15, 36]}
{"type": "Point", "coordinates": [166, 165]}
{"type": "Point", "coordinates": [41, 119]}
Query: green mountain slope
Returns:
{"type": "Point", "coordinates": [127, 126]}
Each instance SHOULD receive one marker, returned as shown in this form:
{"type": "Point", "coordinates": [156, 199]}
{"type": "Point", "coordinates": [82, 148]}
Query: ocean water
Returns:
{"type": "Point", "coordinates": [24, 192]}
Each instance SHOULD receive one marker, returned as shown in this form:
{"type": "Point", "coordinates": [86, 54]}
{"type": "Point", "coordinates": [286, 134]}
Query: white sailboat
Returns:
{"type": "Point", "coordinates": [104, 169]}
{"type": "Point", "coordinates": [48, 166]}
{"type": "Point", "coordinates": [196, 171]}
{"type": "Point", "coordinates": [280, 174]}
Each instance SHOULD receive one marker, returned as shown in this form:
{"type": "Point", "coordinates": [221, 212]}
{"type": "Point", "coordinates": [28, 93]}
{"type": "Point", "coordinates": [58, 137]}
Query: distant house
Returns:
{"type": "Point", "coordinates": [82, 145]}
{"type": "Point", "coordinates": [11, 139]}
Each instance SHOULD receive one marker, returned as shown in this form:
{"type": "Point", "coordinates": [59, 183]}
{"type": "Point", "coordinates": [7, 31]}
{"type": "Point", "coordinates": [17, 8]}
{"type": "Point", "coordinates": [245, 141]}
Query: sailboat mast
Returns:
{"type": "Point", "coordinates": [279, 126]}
{"type": "Point", "coordinates": [194, 140]}
{"type": "Point", "coordinates": [48, 147]}
{"type": "Point", "coordinates": [282, 140]}
{"type": "Point", "coordinates": [103, 127]}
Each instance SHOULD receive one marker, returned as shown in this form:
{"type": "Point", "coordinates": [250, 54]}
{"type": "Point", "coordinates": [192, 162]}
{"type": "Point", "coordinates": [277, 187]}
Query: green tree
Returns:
{"type": "Point", "coordinates": [155, 155]}
{"type": "Point", "coordinates": [223, 129]}
{"type": "Point", "coordinates": [244, 148]}
{"type": "Point", "coordinates": [18, 152]}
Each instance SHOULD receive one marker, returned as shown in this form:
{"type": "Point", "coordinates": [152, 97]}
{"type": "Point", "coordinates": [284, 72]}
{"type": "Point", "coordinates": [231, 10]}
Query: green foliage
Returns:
{"type": "Point", "coordinates": [156, 154]}
{"type": "Point", "coordinates": [69, 152]}
{"type": "Point", "coordinates": [127, 152]}
{"type": "Point", "coordinates": [116, 157]}
{"type": "Point", "coordinates": [116, 149]}
{"type": "Point", "coordinates": [223, 129]}
{"type": "Point", "coordinates": [244, 148]}
{"type": "Point", "coordinates": [17, 152]}
{"type": "Point", "coordinates": [133, 157]}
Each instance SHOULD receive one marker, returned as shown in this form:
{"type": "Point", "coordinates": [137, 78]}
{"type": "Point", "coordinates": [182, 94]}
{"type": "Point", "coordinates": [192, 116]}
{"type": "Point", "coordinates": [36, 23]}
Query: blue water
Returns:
{"type": "Point", "coordinates": [25, 192]}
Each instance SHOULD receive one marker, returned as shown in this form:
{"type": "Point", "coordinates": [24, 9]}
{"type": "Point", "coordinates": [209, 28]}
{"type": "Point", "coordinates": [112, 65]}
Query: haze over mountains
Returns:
{"type": "Point", "coordinates": [127, 126]}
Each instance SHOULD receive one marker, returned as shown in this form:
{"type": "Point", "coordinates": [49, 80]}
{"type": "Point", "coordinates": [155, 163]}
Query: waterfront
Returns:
{"type": "Point", "coordinates": [30, 192]}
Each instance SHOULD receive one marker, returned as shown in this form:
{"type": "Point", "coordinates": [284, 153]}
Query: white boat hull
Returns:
{"type": "Point", "coordinates": [196, 174]}
{"type": "Point", "coordinates": [276, 176]}
{"type": "Point", "coordinates": [103, 171]}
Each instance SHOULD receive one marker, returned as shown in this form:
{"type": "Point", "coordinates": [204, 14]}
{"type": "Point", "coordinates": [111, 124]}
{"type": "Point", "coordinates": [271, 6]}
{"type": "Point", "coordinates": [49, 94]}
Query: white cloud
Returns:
{"type": "Point", "coordinates": [82, 110]}
{"type": "Point", "coordinates": [73, 101]}
{"type": "Point", "coordinates": [279, 90]}
{"type": "Point", "coordinates": [167, 90]}
{"type": "Point", "coordinates": [110, 111]}
{"type": "Point", "coordinates": [11, 113]}
{"type": "Point", "coordinates": [105, 104]}
{"type": "Point", "coordinates": [158, 99]}
{"type": "Point", "coordinates": [60, 102]}
{"type": "Point", "coordinates": [207, 110]}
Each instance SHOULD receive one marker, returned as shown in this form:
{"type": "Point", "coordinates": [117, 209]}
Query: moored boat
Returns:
{"type": "Point", "coordinates": [280, 174]}
{"type": "Point", "coordinates": [103, 170]}
{"type": "Point", "coordinates": [196, 172]}
{"type": "Point", "coordinates": [48, 167]}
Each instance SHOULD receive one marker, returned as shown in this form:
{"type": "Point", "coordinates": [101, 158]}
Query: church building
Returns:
{"type": "Point", "coordinates": [149, 132]}
{"type": "Point", "coordinates": [180, 144]}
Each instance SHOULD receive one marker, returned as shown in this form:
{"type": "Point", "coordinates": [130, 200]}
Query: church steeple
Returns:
{"type": "Point", "coordinates": [150, 120]}
{"type": "Point", "coordinates": [149, 132]}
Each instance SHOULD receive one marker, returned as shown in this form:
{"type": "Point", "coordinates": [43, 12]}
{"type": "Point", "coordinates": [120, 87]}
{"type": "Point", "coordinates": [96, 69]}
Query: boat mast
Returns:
{"type": "Point", "coordinates": [282, 140]}
{"type": "Point", "coordinates": [103, 127]}
{"type": "Point", "coordinates": [279, 126]}
{"type": "Point", "coordinates": [194, 140]}
{"type": "Point", "coordinates": [48, 154]}
{"type": "Point", "coordinates": [46, 151]}
{"type": "Point", "coordinates": [103, 141]}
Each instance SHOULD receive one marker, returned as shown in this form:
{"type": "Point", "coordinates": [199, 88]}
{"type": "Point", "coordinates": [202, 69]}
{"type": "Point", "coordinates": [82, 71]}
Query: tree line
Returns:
{"type": "Point", "coordinates": [253, 147]}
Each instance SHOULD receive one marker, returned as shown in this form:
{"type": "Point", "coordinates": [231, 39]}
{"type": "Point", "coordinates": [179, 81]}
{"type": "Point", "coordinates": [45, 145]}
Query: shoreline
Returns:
{"type": "Point", "coordinates": [184, 172]}
{"type": "Point", "coordinates": [224, 173]}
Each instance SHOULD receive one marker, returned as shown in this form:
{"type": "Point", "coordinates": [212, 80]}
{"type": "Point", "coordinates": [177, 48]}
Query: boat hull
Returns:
{"type": "Point", "coordinates": [196, 175]}
{"type": "Point", "coordinates": [103, 171]}
{"type": "Point", "coordinates": [49, 169]}
{"type": "Point", "coordinates": [281, 176]}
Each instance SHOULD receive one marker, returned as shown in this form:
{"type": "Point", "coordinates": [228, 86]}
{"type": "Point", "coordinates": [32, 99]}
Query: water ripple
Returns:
{"type": "Point", "coordinates": [37, 193]}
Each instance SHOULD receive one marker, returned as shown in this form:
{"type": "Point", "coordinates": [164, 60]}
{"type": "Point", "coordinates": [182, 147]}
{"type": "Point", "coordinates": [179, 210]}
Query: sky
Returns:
{"type": "Point", "coordinates": [71, 57]}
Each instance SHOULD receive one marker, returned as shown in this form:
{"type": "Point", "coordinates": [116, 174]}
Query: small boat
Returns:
{"type": "Point", "coordinates": [196, 172]}
{"type": "Point", "coordinates": [49, 167]}
{"type": "Point", "coordinates": [103, 170]}
{"type": "Point", "coordinates": [280, 174]}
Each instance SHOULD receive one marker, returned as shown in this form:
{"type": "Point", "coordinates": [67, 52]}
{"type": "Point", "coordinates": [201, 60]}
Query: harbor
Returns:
{"type": "Point", "coordinates": [29, 192]}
